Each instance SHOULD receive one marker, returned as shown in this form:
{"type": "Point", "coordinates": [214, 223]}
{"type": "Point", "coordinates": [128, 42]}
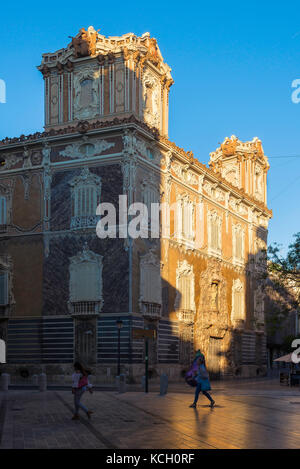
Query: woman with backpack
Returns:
{"type": "Point", "coordinates": [201, 377]}
{"type": "Point", "coordinates": [79, 386]}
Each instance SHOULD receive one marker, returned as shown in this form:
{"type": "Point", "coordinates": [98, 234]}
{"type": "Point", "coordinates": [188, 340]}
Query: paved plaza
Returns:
{"type": "Point", "coordinates": [247, 415]}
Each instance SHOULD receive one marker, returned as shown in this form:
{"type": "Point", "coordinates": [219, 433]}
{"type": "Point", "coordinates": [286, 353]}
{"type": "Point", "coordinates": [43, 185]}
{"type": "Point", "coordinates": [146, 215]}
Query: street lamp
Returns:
{"type": "Point", "coordinates": [119, 323]}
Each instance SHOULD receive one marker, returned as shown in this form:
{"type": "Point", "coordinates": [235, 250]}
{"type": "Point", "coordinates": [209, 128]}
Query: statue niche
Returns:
{"type": "Point", "coordinates": [86, 94]}
{"type": "Point", "coordinates": [151, 100]}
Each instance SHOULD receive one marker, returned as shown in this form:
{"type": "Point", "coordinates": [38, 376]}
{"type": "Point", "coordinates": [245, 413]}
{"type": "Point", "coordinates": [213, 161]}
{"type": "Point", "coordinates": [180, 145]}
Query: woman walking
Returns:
{"type": "Point", "coordinates": [79, 386]}
{"type": "Point", "coordinates": [203, 384]}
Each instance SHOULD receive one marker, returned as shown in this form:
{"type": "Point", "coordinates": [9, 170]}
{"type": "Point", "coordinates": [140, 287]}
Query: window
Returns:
{"type": "Point", "coordinates": [150, 193]}
{"type": "Point", "coordinates": [214, 233]}
{"type": "Point", "coordinates": [150, 285]}
{"type": "Point", "coordinates": [185, 219]}
{"type": "Point", "coordinates": [3, 210]}
{"type": "Point", "coordinates": [150, 154]}
{"type": "Point", "coordinates": [3, 288]}
{"type": "Point", "coordinates": [238, 240]}
{"type": "Point", "coordinates": [86, 191]}
{"type": "Point", "coordinates": [185, 297]}
{"type": "Point", "coordinates": [86, 282]}
{"type": "Point", "coordinates": [238, 302]}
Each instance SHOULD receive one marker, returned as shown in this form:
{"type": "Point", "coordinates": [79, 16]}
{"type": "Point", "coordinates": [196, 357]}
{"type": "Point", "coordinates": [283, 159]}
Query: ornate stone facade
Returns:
{"type": "Point", "coordinates": [199, 285]}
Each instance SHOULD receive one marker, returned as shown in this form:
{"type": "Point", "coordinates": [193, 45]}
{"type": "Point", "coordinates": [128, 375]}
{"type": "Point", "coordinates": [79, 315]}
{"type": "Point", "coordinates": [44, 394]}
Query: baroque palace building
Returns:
{"type": "Point", "coordinates": [62, 288]}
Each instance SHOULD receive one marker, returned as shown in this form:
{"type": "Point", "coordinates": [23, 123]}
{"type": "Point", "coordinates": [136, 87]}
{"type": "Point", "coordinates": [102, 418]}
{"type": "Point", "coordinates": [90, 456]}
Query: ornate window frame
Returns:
{"type": "Point", "coordinates": [185, 210]}
{"type": "Point", "coordinates": [184, 269]}
{"type": "Point", "coordinates": [81, 183]}
{"type": "Point", "coordinates": [150, 190]}
{"type": "Point", "coordinates": [85, 307]}
{"type": "Point", "coordinates": [213, 216]}
{"type": "Point", "coordinates": [238, 230]}
{"type": "Point", "coordinates": [147, 308]}
{"type": "Point", "coordinates": [238, 318]}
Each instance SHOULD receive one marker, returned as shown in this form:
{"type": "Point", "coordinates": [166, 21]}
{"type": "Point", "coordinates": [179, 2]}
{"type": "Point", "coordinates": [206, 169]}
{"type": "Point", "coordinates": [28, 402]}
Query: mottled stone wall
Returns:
{"type": "Point", "coordinates": [56, 272]}
{"type": "Point", "coordinates": [69, 243]}
{"type": "Point", "coordinates": [111, 188]}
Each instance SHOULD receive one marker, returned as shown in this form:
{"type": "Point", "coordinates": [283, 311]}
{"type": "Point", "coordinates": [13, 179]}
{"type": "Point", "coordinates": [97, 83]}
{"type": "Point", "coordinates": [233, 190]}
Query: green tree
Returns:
{"type": "Point", "coordinates": [284, 272]}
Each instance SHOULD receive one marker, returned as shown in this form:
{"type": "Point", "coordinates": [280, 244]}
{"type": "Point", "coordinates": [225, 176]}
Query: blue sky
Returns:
{"type": "Point", "coordinates": [233, 64]}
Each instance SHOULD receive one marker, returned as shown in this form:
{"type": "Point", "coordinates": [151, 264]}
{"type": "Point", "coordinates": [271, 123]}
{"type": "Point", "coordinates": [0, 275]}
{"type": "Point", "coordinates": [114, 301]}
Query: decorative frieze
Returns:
{"type": "Point", "coordinates": [86, 149]}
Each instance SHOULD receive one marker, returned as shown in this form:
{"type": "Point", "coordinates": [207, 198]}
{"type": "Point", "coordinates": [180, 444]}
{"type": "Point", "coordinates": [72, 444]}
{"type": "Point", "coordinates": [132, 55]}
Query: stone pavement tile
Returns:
{"type": "Point", "coordinates": [137, 420]}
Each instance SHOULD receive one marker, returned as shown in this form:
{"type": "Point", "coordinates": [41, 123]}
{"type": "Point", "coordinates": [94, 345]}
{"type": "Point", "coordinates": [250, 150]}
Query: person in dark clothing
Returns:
{"type": "Point", "coordinates": [203, 383]}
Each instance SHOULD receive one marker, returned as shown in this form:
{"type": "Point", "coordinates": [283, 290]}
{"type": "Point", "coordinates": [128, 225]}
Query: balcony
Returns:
{"type": "Point", "coordinates": [85, 308]}
{"type": "Point", "coordinates": [151, 310]}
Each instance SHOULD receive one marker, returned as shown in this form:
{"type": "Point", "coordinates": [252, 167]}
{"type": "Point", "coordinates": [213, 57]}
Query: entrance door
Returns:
{"type": "Point", "coordinates": [214, 357]}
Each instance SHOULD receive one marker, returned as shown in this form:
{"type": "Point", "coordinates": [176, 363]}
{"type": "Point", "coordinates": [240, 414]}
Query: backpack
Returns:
{"type": "Point", "coordinates": [190, 377]}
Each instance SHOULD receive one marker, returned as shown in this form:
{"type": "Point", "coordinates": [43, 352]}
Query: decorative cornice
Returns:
{"type": "Point", "coordinates": [83, 127]}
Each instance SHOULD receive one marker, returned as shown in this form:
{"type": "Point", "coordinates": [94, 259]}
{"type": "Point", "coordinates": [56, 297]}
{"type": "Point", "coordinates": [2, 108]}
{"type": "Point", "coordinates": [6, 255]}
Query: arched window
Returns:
{"type": "Point", "coordinates": [85, 195]}
{"type": "Point", "coordinates": [86, 282]}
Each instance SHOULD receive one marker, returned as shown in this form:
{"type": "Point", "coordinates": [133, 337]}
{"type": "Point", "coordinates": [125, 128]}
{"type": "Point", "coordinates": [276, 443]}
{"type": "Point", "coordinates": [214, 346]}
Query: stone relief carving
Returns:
{"type": "Point", "coordinates": [231, 174]}
{"type": "Point", "coordinates": [86, 93]}
{"type": "Point", "coordinates": [182, 171]}
{"type": "Point", "coordinates": [85, 44]}
{"type": "Point", "coordinates": [213, 314]}
{"type": "Point", "coordinates": [258, 182]}
{"type": "Point", "coordinates": [238, 303]}
{"type": "Point", "coordinates": [10, 161]}
{"type": "Point", "coordinates": [151, 99]}
{"type": "Point", "coordinates": [87, 149]}
{"type": "Point", "coordinates": [26, 179]}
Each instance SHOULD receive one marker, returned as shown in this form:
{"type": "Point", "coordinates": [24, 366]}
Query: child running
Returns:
{"type": "Point", "coordinates": [79, 386]}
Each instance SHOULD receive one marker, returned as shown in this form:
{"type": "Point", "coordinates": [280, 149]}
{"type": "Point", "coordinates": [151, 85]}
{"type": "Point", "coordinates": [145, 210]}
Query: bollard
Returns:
{"type": "Point", "coordinates": [4, 380]}
{"type": "Point", "coordinates": [163, 384]}
{"type": "Point", "coordinates": [143, 382]}
{"type": "Point", "coordinates": [122, 383]}
{"type": "Point", "coordinates": [35, 380]}
{"type": "Point", "coordinates": [42, 382]}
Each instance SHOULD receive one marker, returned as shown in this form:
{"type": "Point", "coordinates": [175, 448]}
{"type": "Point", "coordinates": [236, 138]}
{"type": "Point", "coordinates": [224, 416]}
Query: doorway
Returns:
{"type": "Point", "coordinates": [213, 358]}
